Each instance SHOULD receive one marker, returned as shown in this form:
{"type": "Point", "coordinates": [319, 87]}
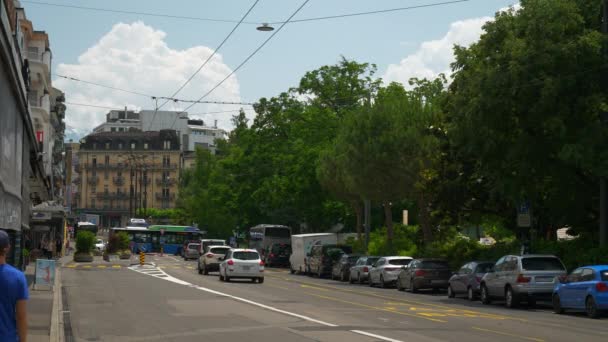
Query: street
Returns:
{"type": "Point", "coordinates": [171, 301]}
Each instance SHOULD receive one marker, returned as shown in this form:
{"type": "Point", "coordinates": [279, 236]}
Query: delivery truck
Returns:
{"type": "Point", "coordinates": [301, 245]}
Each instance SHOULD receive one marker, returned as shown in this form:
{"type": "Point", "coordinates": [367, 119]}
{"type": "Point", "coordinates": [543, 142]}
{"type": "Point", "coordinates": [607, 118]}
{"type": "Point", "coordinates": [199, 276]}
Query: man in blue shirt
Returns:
{"type": "Point", "coordinates": [13, 298]}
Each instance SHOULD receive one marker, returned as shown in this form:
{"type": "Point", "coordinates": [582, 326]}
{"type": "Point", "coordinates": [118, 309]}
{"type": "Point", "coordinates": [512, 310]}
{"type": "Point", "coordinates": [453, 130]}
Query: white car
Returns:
{"type": "Point", "coordinates": [100, 245]}
{"type": "Point", "coordinates": [386, 270]}
{"type": "Point", "coordinates": [210, 261]}
{"type": "Point", "coordinates": [242, 264]}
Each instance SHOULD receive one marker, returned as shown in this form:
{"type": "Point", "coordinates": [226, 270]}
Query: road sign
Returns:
{"type": "Point", "coordinates": [524, 218]}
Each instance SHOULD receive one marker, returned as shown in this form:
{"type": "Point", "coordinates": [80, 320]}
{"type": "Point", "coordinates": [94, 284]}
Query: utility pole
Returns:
{"type": "Point", "coordinates": [603, 213]}
{"type": "Point", "coordinates": [367, 221]}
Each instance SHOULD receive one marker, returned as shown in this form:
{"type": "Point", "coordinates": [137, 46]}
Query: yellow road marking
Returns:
{"type": "Point", "coordinates": [190, 267]}
{"type": "Point", "coordinates": [101, 266]}
{"type": "Point", "coordinates": [116, 266]}
{"type": "Point", "coordinates": [377, 308]}
{"type": "Point", "coordinates": [314, 287]}
{"type": "Point", "coordinates": [72, 266]}
{"type": "Point", "coordinates": [279, 287]}
{"type": "Point", "coordinates": [509, 334]}
{"type": "Point", "coordinates": [465, 312]}
{"type": "Point", "coordinates": [87, 266]}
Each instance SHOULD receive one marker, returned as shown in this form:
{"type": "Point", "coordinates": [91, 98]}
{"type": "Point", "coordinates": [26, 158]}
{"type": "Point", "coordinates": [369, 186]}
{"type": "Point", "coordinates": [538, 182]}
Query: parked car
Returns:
{"type": "Point", "coordinates": [468, 278]}
{"type": "Point", "coordinates": [322, 258]}
{"type": "Point", "coordinates": [210, 260]}
{"type": "Point", "coordinates": [360, 271]}
{"type": "Point", "coordinates": [424, 273]}
{"type": "Point", "coordinates": [242, 264]}
{"type": "Point", "coordinates": [386, 270]}
{"type": "Point", "coordinates": [278, 255]}
{"type": "Point", "coordinates": [341, 268]}
{"type": "Point", "coordinates": [517, 278]}
{"type": "Point", "coordinates": [586, 288]}
{"type": "Point", "coordinates": [192, 251]}
{"type": "Point", "coordinates": [100, 245]}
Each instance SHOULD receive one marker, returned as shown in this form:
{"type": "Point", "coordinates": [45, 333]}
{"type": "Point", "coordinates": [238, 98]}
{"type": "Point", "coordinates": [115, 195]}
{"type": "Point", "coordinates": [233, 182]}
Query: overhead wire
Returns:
{"type": "Point", "coordinates": [213, 54]}
{"type": "Point", "coordinates": [248, 57]}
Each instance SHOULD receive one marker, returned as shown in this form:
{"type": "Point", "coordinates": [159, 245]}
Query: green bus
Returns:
{"type": "Point", "coordinates": [152, 237]}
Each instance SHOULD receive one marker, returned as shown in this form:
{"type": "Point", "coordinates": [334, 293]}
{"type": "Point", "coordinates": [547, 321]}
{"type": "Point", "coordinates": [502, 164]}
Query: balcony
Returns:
{"type": "Point", "coordinates": [119, 181]}
{"type": "Point", "coordinates": [77, 181]}
{"type": "Point", "coordinates": [165, 182]}
{"type": "Point", "coordinates": [37, 102]}
{"type": "Point", "coordinates": [78, 168]}
{"type": "Point", "coordinates": [165, 197]}
{"type": "Point", "coordinates": [145, 181]}
{"type": "Point", "coordinates": [112, 196]}
{"type": "Point", "coordinates": [168, 166]}
{"type": "Point", "coordinates": [93, 180]}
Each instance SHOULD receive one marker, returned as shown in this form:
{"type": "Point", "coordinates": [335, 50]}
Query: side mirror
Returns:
{"type": "Point", "coordinates": [563, 279]}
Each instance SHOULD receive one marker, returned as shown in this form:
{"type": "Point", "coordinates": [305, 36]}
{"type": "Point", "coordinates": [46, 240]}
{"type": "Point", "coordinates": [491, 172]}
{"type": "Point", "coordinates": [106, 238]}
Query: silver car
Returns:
{"type": "Point", "coordinates": [242, 264]}
{"type": "Point", "coordinates": [360, 272]}
{"type": "Point", "coordinates": [386, 270]}
{"type": "Point", "coordinates": [521, 278]}
{"type": "Point", "coordinates": [192, 251]}
{"type": "Point", "coordinates": [210, 260]}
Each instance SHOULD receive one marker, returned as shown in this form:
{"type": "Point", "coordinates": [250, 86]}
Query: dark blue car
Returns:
{"type": "Point", "coordinates": [585, 289]}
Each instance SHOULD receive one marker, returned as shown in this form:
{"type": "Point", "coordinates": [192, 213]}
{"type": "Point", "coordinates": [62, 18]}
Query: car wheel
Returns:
{"type": "Point", "coordinates": [557, 305]}
{"type": "Point", "coordinates": [344, 277]}
{"type": "Point", "coordinates": [413, 286]}
{"type": "Point", "coordinates": [451, 293]}
{"type": "Point", "coordinates": [511, 300]}
{"type": "Point", "coordinates": [382, 283]}
{"type": "Point", "coordinates": [359, 280]}
{"type": "Point", "coordinates": [399, 287]}
{"type": "Point", "coordinates": [198, 267]}
{"type": "Point", "coordinates": [291, 270]}
{"type": "Point", "coordinates": [591, 308]}
{"type": "Point", "coordinates": [370, 281]}
{"type": "Point", "coordinates": [485, 296]}
{"type": "Point", "coordinates": [470, 294]}
{"type": "Point", "coordinates": [221, 277]}
{"type": "Point", "coordinates": [350, 279]}
{"type": "Point", "coordinates": [261, 280]}
{"type": "Point", "coordinates": [253, 280]}
{"type": "Point", "coordinates": [205, 270]}
{"type": "Point", "coordinates": [227, 279]}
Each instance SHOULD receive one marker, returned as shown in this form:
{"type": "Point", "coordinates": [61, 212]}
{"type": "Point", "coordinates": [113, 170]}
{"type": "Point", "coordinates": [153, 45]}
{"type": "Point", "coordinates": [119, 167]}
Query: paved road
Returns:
{"type": "Point", "coordinates": [173, 301]}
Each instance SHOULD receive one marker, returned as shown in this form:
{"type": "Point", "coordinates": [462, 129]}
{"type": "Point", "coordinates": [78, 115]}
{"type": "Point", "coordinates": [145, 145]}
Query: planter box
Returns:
{"type": "Point", "coordinates": [83, 257]}
{"type": "Point", "coordinates": [111, 257]}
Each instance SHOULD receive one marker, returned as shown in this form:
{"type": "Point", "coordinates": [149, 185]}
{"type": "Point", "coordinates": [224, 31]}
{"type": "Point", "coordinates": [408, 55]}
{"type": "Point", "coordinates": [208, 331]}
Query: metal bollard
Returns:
{"type": "Point", "coordinates": [142, 258]}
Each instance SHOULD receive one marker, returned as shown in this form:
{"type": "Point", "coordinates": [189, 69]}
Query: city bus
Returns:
{"type": "Point", "coordinates": [150, 238]}
{"type": "Point", "coordinates": [263, 236]}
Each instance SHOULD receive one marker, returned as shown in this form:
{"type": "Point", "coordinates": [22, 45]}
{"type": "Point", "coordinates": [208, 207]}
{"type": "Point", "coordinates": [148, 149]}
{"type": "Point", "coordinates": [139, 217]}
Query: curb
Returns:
{"type": "Point", "coordinates": [56, 333]}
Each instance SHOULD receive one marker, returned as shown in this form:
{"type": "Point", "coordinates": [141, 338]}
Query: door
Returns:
{"type": "Point", "coordinates": [567, 292]}
{"type": "Point", "coordinates": [374, 272]}
{"type": "Point", "coordinates": [458, 280]}
{"type": "Point", "coordinates": [582, 287]}
{"type": "Point", "coordinates": [408, 273]}
{"type": "Point", "coordinates": [492, 278]}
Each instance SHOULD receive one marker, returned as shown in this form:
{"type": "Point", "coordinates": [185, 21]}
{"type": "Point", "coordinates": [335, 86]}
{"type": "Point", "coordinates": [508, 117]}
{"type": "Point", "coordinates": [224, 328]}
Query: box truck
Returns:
{"type": "Point", "coordinates": [301, 245]}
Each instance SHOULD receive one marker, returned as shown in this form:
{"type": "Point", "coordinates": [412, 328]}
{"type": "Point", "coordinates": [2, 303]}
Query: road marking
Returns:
{"type": "Point", "coordinates": [116, 266]}
{"type": "Point", "coordinates": [314, 287]}
{"type": "Point", "coordinates": [174, 259]}
{"type": "Point", "coordinates": [72, 266]}
{"type": "Point", "coordinates": [101, 266]}
{"type": "Point", "coordinates": [87, 266]}
{"type": "Point", "coordinates": [374, 336]}
{"type": "Point", "coordinates": [263, 306]}
{"type": "Point", "coordinates": [509, 334]}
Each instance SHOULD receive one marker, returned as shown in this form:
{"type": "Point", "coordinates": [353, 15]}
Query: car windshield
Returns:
{"type": "Point", "coordinates": [484, 268]}
{"type": "Point", "coordinates": [221, 251]}
{"type": "Point", "coordinates": [286, 249]}
{"type": "Point", "coordinates": [193, 246]}
{"type": "Point", "coordinates": [334, 253]}
{"type": "Point", "coordinates": [245, 255]}
{"type": "Point", "coordinates": [434, 264]}
{"type": "Point", "coordinates": [542, 264]}
{"type": "Point", "coordinates": [400, 262]}
{"type": "Point", "coordinates": [604, 275]}
{"type": "Point", "coordinates": [353, 258]}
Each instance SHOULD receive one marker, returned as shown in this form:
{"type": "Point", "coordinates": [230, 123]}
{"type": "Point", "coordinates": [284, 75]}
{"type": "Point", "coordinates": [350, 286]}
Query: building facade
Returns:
{"type": "Point", "coordinates": [122, 174]}
{"type": "Point", "coordinates": [201, 136]}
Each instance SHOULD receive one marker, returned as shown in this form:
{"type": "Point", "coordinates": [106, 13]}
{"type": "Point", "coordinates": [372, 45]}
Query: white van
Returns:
{"type": "Point", "coordinates": [301, 245]}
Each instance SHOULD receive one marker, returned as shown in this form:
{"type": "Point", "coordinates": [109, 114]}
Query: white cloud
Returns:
{"type": "Point", "coordinates": [434, 57]}
{"type": "Point", "coordinates": [136, 57]}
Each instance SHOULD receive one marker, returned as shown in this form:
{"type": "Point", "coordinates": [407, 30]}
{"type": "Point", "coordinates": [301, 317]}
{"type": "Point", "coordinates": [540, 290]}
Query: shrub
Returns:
{"type": "Point", "coordinates": [113, 244]}
{"type": "Point", "coordinates": [85, 242]}
{"type": "Point", "coordinates": [123, 241]}
{"type": "Point", "coordinates": [404, 241]}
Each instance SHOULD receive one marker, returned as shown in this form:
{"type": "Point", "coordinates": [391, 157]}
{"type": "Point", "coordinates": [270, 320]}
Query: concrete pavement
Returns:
{"type": "Point", "coordinates": [172, 301]}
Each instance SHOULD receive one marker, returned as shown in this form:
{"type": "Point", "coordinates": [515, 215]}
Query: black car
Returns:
{"type": "Point", "coordinates": [322, 258]}
{"type": "Point", "coordinates": [277, 255]}
{"type": "Point", "coordinates": [341, 269]}
{"type": "Point", "coordinates": [424, 274]}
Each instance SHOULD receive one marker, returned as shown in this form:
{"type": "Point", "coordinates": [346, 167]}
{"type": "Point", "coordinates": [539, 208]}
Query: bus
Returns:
{"type": "Point", "coordinates": [263, 236]}
{"type": "Point", "coordinates": [150, 238]}
{"type": "Point", "coordinates": [85, 227]}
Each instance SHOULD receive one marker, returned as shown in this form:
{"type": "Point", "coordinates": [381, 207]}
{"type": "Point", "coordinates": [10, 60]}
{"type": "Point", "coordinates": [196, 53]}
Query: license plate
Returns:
{"type": "Point", "coordinates": [544, 279]}
{"type": "Point", "coordinates": [246, 268]}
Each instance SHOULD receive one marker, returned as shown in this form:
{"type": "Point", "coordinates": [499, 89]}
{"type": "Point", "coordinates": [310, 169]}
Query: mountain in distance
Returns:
{"type": "Point", "coordinates": [74, 134]}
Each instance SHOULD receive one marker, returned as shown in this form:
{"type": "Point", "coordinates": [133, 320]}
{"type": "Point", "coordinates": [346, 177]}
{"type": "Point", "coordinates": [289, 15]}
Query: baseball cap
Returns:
{"type": "Point", "coordinates": [4, 240]}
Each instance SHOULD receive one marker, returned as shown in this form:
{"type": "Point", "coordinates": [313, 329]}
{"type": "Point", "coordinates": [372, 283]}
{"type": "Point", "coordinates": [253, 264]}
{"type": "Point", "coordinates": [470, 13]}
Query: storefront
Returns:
{"type": "Point", "coordinates": [48, 229]}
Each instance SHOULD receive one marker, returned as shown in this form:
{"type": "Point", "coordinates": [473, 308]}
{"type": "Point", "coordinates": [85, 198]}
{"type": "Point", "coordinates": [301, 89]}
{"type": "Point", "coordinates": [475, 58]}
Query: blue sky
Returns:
{"type": "Point", "coordinates": [383, 39]}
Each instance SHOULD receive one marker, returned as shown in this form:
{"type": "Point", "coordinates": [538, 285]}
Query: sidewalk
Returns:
{"type": "Point", "coordinates": [41, 306]}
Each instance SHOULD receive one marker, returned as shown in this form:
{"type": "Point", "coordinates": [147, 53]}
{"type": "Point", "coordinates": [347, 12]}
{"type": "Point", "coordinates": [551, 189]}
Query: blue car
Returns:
{"type": "Point", "coordinates": [585, 289]}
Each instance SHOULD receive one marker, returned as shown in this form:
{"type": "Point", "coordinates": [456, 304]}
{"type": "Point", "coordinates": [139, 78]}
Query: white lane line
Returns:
{"type": "Point", "coordinates": [374, 336]}
{"type": "Point", "coordinates": [264, 306]}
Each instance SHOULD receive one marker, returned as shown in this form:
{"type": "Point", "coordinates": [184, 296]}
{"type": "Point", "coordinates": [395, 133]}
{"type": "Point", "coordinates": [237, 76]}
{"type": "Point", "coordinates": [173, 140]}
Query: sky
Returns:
{"type": "Point", "coordinates": [154, 56]}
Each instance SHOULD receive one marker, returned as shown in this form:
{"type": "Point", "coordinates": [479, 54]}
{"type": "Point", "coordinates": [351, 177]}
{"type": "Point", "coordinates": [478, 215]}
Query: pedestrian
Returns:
{"type": "Point", "coordinates": [67, 247]}
{"type": "Point", "coordinates": [13, 297]}
{"type": "Point", "coordinates": [58, 247]}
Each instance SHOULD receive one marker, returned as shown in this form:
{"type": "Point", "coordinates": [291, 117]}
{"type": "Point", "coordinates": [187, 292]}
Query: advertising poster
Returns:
{"type": "Point", "coordinates": [45, 272]}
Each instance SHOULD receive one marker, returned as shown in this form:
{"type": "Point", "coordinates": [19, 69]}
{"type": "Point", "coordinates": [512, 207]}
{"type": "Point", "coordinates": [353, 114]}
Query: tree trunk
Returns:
{"type": "Point", "coordinates": [425, 224]}
{"type": "Point", "coordinates": [388, 217]}
{"type": "Point", "coordinates": [359, 214]}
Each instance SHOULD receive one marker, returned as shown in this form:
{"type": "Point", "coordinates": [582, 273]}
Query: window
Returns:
{"type": "Point", "coordinates": [94, 146]}
{"type": "Point", "coordinates": [587, 275]}
{"type": "Point", "coordinates": [605, 275]}
{"type": "Point", "coordinates": [121, 129]}
{"type": "Point", "coordinates": [107, 146]}
{"type": "Point", "coordinates": [93, 189]}
{"type": "Point", "coordinates": [132, 145]}
{"type": "Point", "coordinates": [105, 189]}
{"type": "Point", "coordinates": [370, 261]}
{"type": "Point", "coordinates": [120, 146]}
{"type": "Point", "coordinates": [280, 232]}
{"type": "Point", "coordinates": [106, 175]}
{"type": "Point", "coordinates": [399, 262]}
{"type": "Point", "coordinates": [542, 264]}
{"type": "Point", "coordinates": [167, 145]}
{"type": "Point", "coordinates": [113, 129]}
{"type": "Point", "coordinates": [119, 172]}
{"type": "Point", "coordinates": [380, 262]}
{"type": "Point", "coordinates": [499, 264]}
{"type": "Point", "coordinates": [484, 268]}
{"type": "Point", "coordinates": [165, 192]}
{"type": "Point", "coordinates": [434, 264]}
{"type": "Point", "coordinates": [575, 276]}
{"type": "Point", "coordinates": [94, 161]}
{"type": "Point", "coordinates": [245, 255]}
{"type": "Point", "coordinates": [145, 146]}
{"type": "Point", "coordinates": [510, 264]}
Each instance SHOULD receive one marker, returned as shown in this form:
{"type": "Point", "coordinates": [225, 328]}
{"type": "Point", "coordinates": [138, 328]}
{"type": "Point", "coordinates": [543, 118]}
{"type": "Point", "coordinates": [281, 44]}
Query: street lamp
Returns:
{"type": "Point", "coordinates": [265, 27]}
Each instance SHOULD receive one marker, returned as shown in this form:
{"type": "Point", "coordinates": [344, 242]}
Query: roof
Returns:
{"type": "Point", "coordinates": [243, 250]}
{"type": "Point", "coordinates": [174, 228]}
{"type": "Point", "coordinates": [398, 257]}
{"type": "Point", "coordinates": [596, 267]}
{"type": "Point", "coordinates": [312, 235]}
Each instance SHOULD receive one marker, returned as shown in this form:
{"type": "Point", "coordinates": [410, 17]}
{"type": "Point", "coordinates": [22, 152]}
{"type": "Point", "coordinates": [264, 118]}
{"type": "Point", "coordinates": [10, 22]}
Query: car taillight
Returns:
{"type": "Point", "coordinates": [262, 263]}
{"type": "Point", "coordinates": [522, 279]}
{"type": "Point", "coordinates": [601, 287]}
{"type": "Point", "coordinates": [209, 255]}
{"type": "Point", "coordinates": [365, 269]}
{"type": "Point", "coordinates": [419, 273]}
{"type": "Point", "coordinates": [230, 262]}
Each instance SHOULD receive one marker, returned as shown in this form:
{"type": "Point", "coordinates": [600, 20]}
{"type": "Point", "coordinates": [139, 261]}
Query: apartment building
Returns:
{"type": "Point", "coordinates": [125, 173]}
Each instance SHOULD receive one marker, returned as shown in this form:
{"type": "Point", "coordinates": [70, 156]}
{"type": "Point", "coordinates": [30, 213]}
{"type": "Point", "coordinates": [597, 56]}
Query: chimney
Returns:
{"type": "Point", "coordinates": [215, 124]}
